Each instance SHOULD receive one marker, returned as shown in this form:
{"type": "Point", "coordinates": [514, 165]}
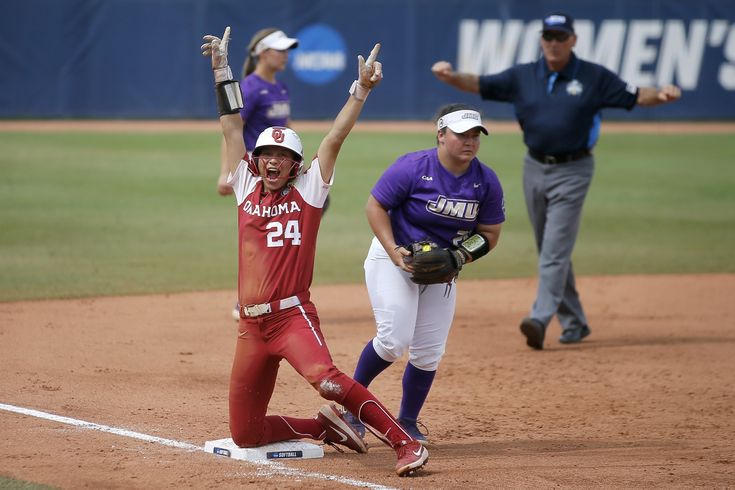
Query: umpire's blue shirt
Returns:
{"type": "Point", "coordinates": [559, 114]}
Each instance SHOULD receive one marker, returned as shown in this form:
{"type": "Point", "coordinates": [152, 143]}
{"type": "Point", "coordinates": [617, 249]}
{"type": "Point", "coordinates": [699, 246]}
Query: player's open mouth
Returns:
{"type": "Point", "coordinates": [272, 174]}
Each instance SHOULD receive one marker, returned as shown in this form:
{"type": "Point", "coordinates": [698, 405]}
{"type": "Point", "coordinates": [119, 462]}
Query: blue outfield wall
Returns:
{"type": "Point", "coordinates": [140, 58]}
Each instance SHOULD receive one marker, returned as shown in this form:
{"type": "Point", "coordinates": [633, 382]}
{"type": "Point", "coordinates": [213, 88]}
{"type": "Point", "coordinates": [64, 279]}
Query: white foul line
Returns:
{"type": "Point", "coordinates": [273, 467]}
{"type": "Point", "coordinates": [102, 428]}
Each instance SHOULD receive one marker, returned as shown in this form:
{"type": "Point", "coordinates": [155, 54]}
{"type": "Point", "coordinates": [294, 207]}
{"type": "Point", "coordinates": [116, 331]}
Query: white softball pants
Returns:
{"type": "Point", "coordinates": [408, 317]}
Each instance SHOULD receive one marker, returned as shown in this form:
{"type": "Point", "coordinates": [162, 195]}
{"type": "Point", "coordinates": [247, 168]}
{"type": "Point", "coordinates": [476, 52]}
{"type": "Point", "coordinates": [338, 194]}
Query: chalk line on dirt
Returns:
{"type": "Point", "coordinates": [267, 468]}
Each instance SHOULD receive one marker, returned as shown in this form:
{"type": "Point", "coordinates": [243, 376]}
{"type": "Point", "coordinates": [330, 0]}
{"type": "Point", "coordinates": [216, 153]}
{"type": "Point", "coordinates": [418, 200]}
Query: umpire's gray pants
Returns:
{"type": "Point", "coordinates": [555, 195]}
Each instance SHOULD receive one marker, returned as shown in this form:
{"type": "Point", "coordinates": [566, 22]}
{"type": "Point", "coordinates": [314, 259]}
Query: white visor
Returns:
{"type": "Point", "coordinates": [461, 121]}
{"type": "Point", "coordinates": [275, 40]}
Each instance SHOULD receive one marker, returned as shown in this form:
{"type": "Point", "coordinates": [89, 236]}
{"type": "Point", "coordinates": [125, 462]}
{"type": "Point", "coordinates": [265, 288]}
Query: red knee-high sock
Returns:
{"type": "Point", "coordinates": [375, 416]}
{"type": "Point", "coordinates": [284, 428]}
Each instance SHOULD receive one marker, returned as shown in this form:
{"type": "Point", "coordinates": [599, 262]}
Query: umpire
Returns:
{"type": "Point", "coordinates": [557, 102]}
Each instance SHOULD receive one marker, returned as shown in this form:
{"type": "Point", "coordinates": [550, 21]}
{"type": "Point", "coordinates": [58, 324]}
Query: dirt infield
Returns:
{"type": "Point", "coordinates": [648, 400]}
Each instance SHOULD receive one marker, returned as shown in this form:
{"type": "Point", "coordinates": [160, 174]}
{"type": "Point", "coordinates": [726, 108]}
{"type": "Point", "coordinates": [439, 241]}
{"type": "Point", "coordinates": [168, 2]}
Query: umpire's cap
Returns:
{"type": "Point", "coordinates": [559, 21]}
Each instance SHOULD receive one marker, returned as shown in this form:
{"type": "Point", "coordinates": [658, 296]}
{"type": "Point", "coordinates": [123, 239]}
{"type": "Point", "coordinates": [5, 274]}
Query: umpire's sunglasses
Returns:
{"type": "Point", "coordinates": [559, 36]}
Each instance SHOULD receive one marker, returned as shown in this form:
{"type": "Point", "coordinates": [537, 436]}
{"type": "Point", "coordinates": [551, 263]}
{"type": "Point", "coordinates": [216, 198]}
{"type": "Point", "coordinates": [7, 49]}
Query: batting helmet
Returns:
{"type": "Point", "coordinates": [284, 138]}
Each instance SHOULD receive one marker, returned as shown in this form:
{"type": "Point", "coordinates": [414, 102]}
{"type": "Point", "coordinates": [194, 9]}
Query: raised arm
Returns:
{"type": "Point", "coordinates": [463, 81]}
{"type": "Point", "coordinates": [229, 100]}
{"type": "Point", "coordinates": [223, 188]}
{"type": "Point", "coordinates": [369, 74]}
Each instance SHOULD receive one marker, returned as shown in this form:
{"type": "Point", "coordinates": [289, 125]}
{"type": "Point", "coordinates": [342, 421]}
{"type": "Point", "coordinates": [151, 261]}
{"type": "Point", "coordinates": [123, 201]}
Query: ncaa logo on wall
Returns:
{"type": "Point", "coordinates": [321, 55]}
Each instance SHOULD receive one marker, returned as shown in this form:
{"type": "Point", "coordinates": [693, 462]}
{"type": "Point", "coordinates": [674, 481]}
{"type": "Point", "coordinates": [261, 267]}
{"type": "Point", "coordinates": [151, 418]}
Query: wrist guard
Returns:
{"type": "Point", "coordinates": [229, 97]}
{"type": "Point", "coordinates": [474, 246]}
{"type": "Point", "coordinates": [358, 91]}
{"type": "Point", "coordinates": [222, 74]}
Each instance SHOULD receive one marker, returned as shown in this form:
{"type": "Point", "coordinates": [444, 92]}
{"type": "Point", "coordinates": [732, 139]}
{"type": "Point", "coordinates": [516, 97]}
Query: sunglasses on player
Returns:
{"type": "Point", "coordinates": [559, 36]}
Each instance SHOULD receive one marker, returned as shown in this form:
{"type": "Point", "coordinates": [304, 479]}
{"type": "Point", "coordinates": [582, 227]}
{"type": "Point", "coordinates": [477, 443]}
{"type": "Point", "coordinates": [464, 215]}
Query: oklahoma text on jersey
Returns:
{"type": "Point", "coordinates": [269, 211]}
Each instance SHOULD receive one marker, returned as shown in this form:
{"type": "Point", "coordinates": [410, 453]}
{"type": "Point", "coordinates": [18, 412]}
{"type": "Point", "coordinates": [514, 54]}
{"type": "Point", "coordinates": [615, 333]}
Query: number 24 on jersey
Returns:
{"type": "Point", "coordinates": [278, 233]}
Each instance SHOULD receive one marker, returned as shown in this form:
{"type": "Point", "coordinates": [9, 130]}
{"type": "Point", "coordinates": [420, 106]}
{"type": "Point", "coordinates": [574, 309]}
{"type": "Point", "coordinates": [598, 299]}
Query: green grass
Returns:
{"type": "Point", "coordinates": [108, 214]}
{"type": "Point", "coordinates": [11, 484]}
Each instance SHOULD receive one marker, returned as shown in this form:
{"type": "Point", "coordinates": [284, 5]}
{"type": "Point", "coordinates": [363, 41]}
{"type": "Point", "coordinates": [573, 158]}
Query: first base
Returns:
{"type": "Point", "coordinates": [278, 450]}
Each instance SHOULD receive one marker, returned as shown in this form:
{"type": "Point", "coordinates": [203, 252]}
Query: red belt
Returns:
{"type": "Point", "coordinates": [250, 311]}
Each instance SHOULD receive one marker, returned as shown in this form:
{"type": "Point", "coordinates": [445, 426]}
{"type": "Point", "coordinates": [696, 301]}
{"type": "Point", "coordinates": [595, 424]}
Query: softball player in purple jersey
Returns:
{"type": "Point", "coordinates": [444, 195]}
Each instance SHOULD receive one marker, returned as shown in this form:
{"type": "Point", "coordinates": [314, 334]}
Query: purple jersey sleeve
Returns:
{"type": "Point", "coordinates": [426, 202]}
{"type": "Point", "coordinates": [394, 186]}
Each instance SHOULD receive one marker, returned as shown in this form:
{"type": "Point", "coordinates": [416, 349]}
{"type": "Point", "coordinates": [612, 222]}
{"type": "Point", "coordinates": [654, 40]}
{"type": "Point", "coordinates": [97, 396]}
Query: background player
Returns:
{"type": "Point", "coordinates": [557, 102]}
{"type": "Point", "coordinates": [444, 195]}
{"type": "Point", "coordinates": [279, 211]}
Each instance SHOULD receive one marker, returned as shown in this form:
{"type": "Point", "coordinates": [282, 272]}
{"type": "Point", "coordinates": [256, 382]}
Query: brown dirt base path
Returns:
{"type": "Point", "coordinates": [648, 400]}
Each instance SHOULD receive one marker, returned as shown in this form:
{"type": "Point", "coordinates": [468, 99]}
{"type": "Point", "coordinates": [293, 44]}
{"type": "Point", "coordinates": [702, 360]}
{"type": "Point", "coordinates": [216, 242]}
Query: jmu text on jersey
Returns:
{"type": "Point", "coordinates": [454, 208]}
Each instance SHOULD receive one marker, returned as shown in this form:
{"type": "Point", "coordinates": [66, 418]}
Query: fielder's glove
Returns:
{"type": "Point", "coordinates": [434, 265]}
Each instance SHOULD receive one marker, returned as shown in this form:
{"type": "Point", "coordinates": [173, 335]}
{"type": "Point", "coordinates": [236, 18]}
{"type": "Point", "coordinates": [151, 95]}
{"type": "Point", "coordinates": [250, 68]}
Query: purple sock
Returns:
{"type": "Point", "coordinates": [369, 366]}
{"type": "Point", "coordinates": [416, 386]}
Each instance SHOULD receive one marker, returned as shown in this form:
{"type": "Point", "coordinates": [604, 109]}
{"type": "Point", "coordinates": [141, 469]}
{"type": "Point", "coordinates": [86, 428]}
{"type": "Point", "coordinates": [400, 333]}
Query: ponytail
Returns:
{"type": "Point", "coordinates": [251, 61]}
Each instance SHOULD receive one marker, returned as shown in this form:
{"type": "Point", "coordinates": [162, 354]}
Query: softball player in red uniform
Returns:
{"type": "Point", "coordinates": [269, 103]}
{"type": "Point", "coordinates": [279, 210]}
{"type": "Point", "coordinates": [268, 99]}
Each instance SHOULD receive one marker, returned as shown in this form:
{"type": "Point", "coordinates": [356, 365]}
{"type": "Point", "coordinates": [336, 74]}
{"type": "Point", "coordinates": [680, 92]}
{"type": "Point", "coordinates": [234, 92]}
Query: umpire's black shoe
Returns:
{"type": "Point", "coordinates": [534, 331]}
{"type": "Point", "coordinates": [574, 335]}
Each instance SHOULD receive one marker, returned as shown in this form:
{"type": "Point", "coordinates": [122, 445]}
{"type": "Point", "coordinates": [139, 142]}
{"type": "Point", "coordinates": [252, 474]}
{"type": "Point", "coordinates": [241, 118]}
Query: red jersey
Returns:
{"type": "Point", "coordinates": [277, 234]}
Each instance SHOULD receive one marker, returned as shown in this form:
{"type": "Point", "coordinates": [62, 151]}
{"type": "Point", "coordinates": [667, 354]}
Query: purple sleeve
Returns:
{"type": "Point", "coordinates": [394, 185]}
